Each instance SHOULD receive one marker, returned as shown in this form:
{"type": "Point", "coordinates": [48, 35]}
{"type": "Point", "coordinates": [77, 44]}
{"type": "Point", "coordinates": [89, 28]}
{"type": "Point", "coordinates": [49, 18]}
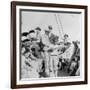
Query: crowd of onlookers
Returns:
{"type": "Point", "coordinates": [42, 54]}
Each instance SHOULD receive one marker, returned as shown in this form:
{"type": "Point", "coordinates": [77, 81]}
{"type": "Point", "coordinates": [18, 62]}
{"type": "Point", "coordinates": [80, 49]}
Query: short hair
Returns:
{"type": "Point", "coordinates": [31, 31]}
{"type": "Point", "coordinates": [66, 35]}
{"type": "Point", "coordinates": [50, 27]}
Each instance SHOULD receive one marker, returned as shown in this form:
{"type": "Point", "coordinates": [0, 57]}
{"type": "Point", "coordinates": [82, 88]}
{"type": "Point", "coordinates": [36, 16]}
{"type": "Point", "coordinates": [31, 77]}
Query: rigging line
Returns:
{"type": "Point", "coordinates": [58, 25]}
{"type": "Point", "coordinates": [61, 24]}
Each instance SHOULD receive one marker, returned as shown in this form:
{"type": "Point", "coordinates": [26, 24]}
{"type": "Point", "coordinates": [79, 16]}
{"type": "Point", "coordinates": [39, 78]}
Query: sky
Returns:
{"type": "Point", "coordinates": [66, 23]}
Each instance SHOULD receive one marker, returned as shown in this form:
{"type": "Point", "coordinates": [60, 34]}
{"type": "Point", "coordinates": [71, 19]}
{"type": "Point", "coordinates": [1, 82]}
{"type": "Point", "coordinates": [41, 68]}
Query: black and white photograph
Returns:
{"type": "Point", "coordinates": [49, 44]}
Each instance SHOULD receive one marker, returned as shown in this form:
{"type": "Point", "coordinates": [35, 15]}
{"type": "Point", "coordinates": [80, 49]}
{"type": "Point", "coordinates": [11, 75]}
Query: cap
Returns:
{"type": "Point", "coordinates": [31, 31]}
{"type": "Point", "coordinates": [25, 33]}
{"type": "Point", "coordinates": [38, 28]}
{"type": "Point", "coordinates": [25, 40]}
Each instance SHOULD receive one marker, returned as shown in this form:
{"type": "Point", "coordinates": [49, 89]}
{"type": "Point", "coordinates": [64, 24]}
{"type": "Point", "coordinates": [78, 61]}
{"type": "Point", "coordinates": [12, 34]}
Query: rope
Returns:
{"type": "Point", "coordinates": [57, 24]}
{"type": "Point", "coordinates": [61, 24]}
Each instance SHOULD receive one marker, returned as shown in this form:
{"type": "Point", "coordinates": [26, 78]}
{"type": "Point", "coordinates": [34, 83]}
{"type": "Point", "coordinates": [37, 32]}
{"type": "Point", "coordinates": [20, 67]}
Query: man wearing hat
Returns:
{"type": "Point", "coordinates": [31, 34]}
{"type": "Point", "coordinates": [46, 42]}
{"type": "Point", "coordinates": [66, 39]}
{"type": "Point", "coordinates": [46, 35]}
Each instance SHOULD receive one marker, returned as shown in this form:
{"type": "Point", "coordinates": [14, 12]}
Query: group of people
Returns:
{"type": "Point", "coordinates": [43, 55]}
